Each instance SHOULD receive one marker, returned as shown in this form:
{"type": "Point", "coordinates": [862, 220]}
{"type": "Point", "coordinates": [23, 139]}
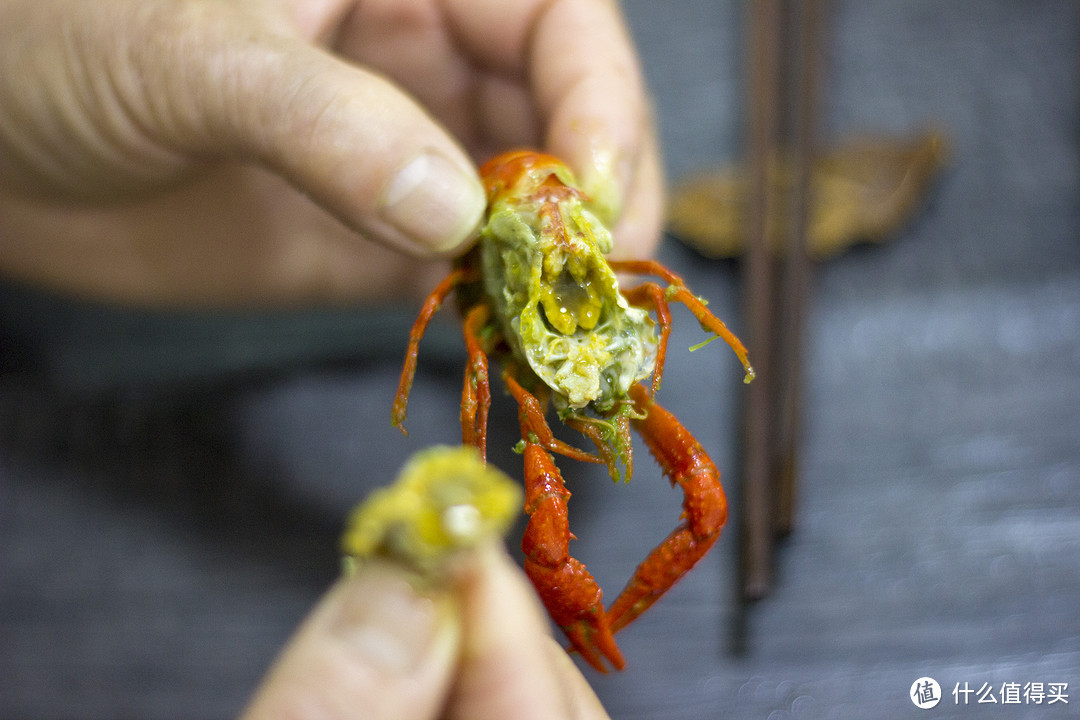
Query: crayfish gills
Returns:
{"type": "Point", "coordinates": [537, 293]}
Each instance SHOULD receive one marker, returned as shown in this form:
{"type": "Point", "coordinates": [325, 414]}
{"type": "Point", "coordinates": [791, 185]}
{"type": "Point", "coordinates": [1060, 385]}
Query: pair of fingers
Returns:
{"type": "Point", "coordinates": [372, 112]}
{"type": "Point", "coordinates": [375, 647]}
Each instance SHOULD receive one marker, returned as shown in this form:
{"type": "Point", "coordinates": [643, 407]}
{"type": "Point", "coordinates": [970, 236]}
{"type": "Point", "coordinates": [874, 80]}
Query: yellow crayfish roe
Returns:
{"type": "Point", "coordinates": [571, 302]}
{"type": "Point", "coordinates": [445, 499]}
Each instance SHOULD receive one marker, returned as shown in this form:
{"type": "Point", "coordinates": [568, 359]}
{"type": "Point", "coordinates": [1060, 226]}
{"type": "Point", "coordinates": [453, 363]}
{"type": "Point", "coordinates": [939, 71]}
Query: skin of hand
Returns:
{"type": "Point", "coordinates": [276, 152]}
{"type": "Point", "coordinates": [376, 647]}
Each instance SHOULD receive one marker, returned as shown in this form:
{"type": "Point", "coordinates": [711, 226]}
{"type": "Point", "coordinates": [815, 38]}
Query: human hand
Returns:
{"type": "Point", "coordinates": [280, 151]}
{"type": "Point", "coordinates": [376, 648]}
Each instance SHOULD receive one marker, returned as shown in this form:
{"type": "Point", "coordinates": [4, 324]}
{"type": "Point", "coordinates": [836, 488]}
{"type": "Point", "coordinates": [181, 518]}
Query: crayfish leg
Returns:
{"type": "Point", "coordinates": [531, 415]}
{"type": "Point", "coordinates": [476, 389]}
{"type": "Point", "coordinates": [431, 305]}
{"type": "Point", "coordinates": [611, 450]}
{"type": "Point", "coordinates": [686, 464]}
{"type": "Point", "coordinates": [677, 290]}
{"type": "Point", "coordinates": [567, 589]}
{"type": "Point", "coordinates": [650, 294]}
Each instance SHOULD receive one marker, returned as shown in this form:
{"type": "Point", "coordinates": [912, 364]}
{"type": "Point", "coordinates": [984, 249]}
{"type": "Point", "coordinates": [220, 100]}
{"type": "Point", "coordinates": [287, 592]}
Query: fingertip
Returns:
{"type": "Point", "coordinates": [580, 697]}
{"type": "Point", "coordinates": [385, 621]}
{"type": "Point", "coordinates": [601, 151]}
{"type": "Point", "coordinates": [374, 642]}
{"type": "Point", "coordinates": [639, 228]}
{"type": "Point", "coordinates": [507, 669]}
{"type": "Point", "coordinates": [625, 183]}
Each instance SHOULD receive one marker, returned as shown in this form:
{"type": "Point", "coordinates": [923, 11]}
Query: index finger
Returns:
{"type": "Point", "coordinates": [582, 71]}
{"type": "Point", "coordinates": [587, 82]}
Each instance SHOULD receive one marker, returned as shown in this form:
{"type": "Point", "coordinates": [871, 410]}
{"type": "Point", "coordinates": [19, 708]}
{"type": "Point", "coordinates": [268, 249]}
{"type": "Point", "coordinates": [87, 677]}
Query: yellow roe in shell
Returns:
{"type": "Point", "coordinates": [445, 499]}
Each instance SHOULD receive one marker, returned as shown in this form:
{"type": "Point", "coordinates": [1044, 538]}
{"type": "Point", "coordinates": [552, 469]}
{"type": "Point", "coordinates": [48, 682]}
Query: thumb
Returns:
{"type": "Point", "coordinates": [352, 140]}
{"type": "Point", "coordinates": [117, 97]}
{"type": "Point", "coordinates": [374, 647]}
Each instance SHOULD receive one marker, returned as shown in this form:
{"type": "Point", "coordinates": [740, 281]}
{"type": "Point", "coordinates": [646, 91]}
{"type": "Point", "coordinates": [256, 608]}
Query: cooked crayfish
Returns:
{"type": "Point", "coordinates": [537, 291]}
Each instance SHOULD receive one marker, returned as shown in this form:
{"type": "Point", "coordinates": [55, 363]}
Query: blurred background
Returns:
{"type": "Point", "coordinates": [173, 486]}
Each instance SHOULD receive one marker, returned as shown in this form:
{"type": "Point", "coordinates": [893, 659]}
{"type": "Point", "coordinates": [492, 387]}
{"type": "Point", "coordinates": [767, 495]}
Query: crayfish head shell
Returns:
{"type": "Point", "coordinates": [553, 292]}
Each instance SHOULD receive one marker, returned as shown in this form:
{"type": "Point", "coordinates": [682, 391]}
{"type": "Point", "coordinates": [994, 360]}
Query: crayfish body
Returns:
{"type": "Point", "coordinates": [537, 292]}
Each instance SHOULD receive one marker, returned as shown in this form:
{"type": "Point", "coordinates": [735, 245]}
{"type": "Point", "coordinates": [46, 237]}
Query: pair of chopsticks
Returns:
{"type": "Point", "coordinates": [784, 66]}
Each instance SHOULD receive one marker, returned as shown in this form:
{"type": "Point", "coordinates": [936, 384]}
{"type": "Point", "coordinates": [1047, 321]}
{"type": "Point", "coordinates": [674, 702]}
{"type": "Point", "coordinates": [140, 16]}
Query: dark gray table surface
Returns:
{"type": "Point", "coordinates": [172, 487]}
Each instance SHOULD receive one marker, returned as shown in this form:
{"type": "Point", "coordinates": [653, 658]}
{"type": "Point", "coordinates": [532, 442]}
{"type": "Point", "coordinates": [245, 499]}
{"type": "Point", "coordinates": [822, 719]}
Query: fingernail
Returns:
{"type": "Point", "coordinates": [433, 202]}
{"type": "Point", "coordinates": [385, 621]}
